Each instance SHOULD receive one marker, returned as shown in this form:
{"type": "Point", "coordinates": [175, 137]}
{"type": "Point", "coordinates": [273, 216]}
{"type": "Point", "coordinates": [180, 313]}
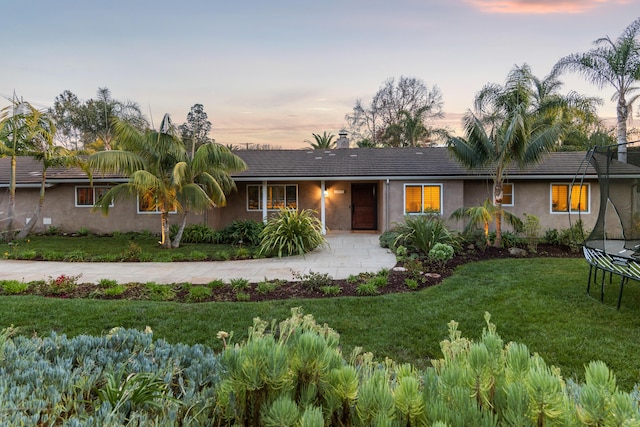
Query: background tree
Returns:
{"type": "Point", "coordinates": [408, 131]}
{"type": "Point", "coordinates": [65, 114]}
{"type": "Point", "coordinates": [195, 131]}
{"type": "Point", "coordinates": [612, 63]}
{"type": "Point", "coordinates": [92, 120]}
{"type": "Point", "coordinates": [163, 175]}
{"type": "Point", "coordinates": [324, 141]}
{"type": "Point", "coordinates": [408, 94]}
{"type": "Point", "coordinates": [509, 127]}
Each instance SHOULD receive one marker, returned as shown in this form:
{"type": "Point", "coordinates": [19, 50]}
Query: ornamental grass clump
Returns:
{"type": "Point", "coordinates": [291, 232]}
{"type": "Point", "coordinates": [421, 232]}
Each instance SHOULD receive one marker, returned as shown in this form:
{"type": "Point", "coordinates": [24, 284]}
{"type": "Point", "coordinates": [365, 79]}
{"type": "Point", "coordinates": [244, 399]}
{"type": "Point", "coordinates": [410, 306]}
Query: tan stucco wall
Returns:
{"type": "Point", "coordinates": [337, 205]}
{"type": "Point", "coordinates": [534, 198]}
{"type": "Point", "coordinates": [59, 207]}
{"type": "Point", "coordinates": [452, 198]}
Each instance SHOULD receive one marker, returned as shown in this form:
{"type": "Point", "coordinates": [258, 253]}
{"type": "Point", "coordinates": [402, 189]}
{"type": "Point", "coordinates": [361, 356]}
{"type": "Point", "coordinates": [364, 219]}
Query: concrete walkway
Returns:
{"type": "Point", "coordinates": [347, 253]}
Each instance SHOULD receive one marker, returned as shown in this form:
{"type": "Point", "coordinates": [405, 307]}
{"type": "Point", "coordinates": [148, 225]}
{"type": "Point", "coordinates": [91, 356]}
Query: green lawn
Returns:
{"type": "Point", "coordinates": [538, 302]}
{"type": "Point", "coordinates": [126, 246]}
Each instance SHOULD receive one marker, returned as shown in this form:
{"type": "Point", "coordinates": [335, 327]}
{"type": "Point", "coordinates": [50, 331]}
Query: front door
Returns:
{"type": "Point", "coordinates": [364, 207]}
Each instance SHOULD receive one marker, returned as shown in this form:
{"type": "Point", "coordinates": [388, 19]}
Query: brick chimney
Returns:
{"type": "Point", "coordinates": [342, 141]}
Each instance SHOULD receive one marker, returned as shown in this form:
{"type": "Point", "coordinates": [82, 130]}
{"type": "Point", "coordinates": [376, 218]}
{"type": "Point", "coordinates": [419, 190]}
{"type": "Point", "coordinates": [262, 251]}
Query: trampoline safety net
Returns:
{"type": "Point", "coordinates": [613, 245]}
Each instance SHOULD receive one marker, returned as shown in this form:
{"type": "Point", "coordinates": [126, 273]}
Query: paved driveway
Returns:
{"type": "Point", "coordinates": [347, 253]}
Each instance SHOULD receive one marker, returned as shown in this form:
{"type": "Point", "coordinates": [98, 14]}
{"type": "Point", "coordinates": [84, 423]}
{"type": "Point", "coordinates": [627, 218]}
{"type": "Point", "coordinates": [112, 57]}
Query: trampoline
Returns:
{"type": "Point", "coordinates": [613, 246]}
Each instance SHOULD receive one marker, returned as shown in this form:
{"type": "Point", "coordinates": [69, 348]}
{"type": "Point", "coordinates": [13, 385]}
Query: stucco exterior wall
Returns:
{"type": "Point", "coordinates": [452, 198]}
{"type": "Point", "coordinates": [534, 198]}
{"type": "Point", "coordinates": [59, 210]}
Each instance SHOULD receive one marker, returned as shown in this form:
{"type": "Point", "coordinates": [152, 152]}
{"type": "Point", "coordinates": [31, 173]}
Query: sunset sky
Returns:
{"type": "Point", "coordinates": [274, 72]}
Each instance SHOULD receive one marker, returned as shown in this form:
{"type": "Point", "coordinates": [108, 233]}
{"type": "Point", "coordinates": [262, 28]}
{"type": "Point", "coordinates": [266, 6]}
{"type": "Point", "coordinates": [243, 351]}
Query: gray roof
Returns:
{"type": "Point", "coordinates": [370, 163]}
{"type": "Point", "coordinates": [352, 164]}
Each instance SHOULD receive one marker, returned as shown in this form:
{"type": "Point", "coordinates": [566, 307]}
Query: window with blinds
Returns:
{"type": "Point", "coordinates": [562, 202]}
{"type": "Point", "coordinates": [278, 197]}
{"type": "Point", "coordinates": [422, 198]}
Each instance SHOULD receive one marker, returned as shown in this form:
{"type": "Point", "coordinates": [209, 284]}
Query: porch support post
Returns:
{"type": "Point", "coordinates": [264, 201]}
{"type": "Point", "coordinates": [322, 207]}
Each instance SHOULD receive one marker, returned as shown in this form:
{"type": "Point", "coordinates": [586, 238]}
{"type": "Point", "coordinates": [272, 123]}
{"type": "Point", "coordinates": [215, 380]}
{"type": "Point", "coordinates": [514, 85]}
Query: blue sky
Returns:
{"type": "Point", "coordinates": [273, 72]}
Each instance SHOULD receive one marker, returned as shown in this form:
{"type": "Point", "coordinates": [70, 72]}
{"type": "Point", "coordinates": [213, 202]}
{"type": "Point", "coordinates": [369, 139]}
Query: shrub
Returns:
{"type": "Point", "coordinates": [157, 292]}
{"type": "Point", "coordinates": [194, 233]}
{"type": "Point", "coordinates": [313, 279]}
{"type": "Point", "coordinates": [291, 232]}
{"type": "Point", "coordinates": [239, 284]}
{"type": "Point", "coordinates": [268, 286]}
{"type": "Point", "coordinates": [12, 287]}
{"type": "Point", "coordinates": [215, 284]}
{"type": "Point", "coordinates": [107, 283]}
{"type": "Point", "coordinates": [132, 253]}
{"type": "Point", "coordinates": [531, 229]}
{"type": "Point", "coordinates": [551, 237]}
{"type": "Point", "coordinates": [83, 231]}
{"type": "Point", "coordinates": [199, 293]}
{"type": "Point", "coordinates": [411, 283]}
{"type": "Point", "coordinates": [511, 240]}
{"type": "Point", "coordinates": [331, 290]}
{"type": "Point", "coordinates": [422, 232]}
{"type": "Point", "coordinates": [441, 253]}
{"type": "Point", "coordinates": [62, 284]}
{"type": "Point", "coordinates": [242, 253]}
{"type": "Point", "coordinates": [378, 281]}
{"type": "Point", "coordinates": [115, 290]}
{"type": "Point", "coordinates": [388, 239]}
{"type": "Point", "coordinates": [573, 237]}
{"type": "Point", "coordinates": [367, 288]}
{"type": "Point", "coordinates": [243, 232]}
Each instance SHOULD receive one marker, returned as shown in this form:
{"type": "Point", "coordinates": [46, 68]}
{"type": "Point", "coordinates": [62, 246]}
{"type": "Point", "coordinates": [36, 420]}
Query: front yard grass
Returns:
{"type": "Point", "coordinates": [539, 302]}
{"type": "Point", "coordinates": [119, 247]}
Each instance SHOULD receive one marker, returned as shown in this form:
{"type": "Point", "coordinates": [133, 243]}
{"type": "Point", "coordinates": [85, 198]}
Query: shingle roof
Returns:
{"type": "Point", "coordinates": [389, 163]}
{"type": "Point", "coordinates": [356, 163]}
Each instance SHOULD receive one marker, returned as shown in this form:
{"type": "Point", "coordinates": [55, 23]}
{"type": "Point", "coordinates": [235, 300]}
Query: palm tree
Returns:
{"type": "Point", "coordinates": [22, 128]}
{"type": "Point", "coordinates": [484, 215]}
{"type": "Point", "coordinates": [509, 127]}
{"type": "Point", "coordinates": [323, 141]}
{"type": "Point", "coordinates": [612, 63]}
{"type": "Point", "coordinates": [162, 174]}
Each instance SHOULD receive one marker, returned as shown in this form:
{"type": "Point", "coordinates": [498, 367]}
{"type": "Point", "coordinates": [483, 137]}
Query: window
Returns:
{"type": "Point", "coordinates": [146, 206]}
{"type": "Point", "coordinates": [579, 201]}
{"type": "Point", "coordinates": [507, 194]}
{"type": "Point", "coordinates": [278, 197]}
{"type": "Point", "coordinates": [89, 196]}
{"type": "Point", "coordinates": [422, 198]}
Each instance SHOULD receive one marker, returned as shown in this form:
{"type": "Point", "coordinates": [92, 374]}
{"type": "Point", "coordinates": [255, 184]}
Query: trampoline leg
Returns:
{"type": "Point", "coordinates": [623, 280]}
{"type": "Point", "coordinates": [589, 281]}
{"type": "Point", "coordinates": [604, 275]}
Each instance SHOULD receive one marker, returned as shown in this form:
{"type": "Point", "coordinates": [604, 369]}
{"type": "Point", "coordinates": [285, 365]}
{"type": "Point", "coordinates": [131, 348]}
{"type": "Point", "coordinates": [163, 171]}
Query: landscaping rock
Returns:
{"type": "Point", "coordinates": [517, 252]}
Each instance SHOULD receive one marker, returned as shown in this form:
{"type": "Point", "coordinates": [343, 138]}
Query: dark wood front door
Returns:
{"type": "Point", "coordinates": [364, 207]}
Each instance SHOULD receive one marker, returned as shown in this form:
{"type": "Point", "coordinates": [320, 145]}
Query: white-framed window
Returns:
{"type": "Point", "coordinates": [88, 196]}
{"type": "Point", "coordinates": [146, 206]}
{"type": "Point", "coordinates": [567, 198]}
{"type": "Point", "coordinates": [507, 194]}
{"type": "Point", "coordinates": [278, 196]}
{"type": "Point", "coordinates": [422, 198]}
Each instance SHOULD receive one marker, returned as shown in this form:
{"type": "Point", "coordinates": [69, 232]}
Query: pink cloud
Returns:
{"type": "Point", "coordinates": [540, 6]}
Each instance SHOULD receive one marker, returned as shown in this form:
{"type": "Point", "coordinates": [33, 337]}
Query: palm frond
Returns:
{"type": "Point", "coordinates": [116, 161]}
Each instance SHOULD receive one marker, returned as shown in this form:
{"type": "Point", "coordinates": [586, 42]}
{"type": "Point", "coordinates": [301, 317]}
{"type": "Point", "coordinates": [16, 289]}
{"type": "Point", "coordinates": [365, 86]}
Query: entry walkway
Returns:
{"type": "Point", "coordinates": [347, 253]}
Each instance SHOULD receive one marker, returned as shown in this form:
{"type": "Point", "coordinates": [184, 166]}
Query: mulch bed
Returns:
{"type": "Point", "coordinates": [296, 289]}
